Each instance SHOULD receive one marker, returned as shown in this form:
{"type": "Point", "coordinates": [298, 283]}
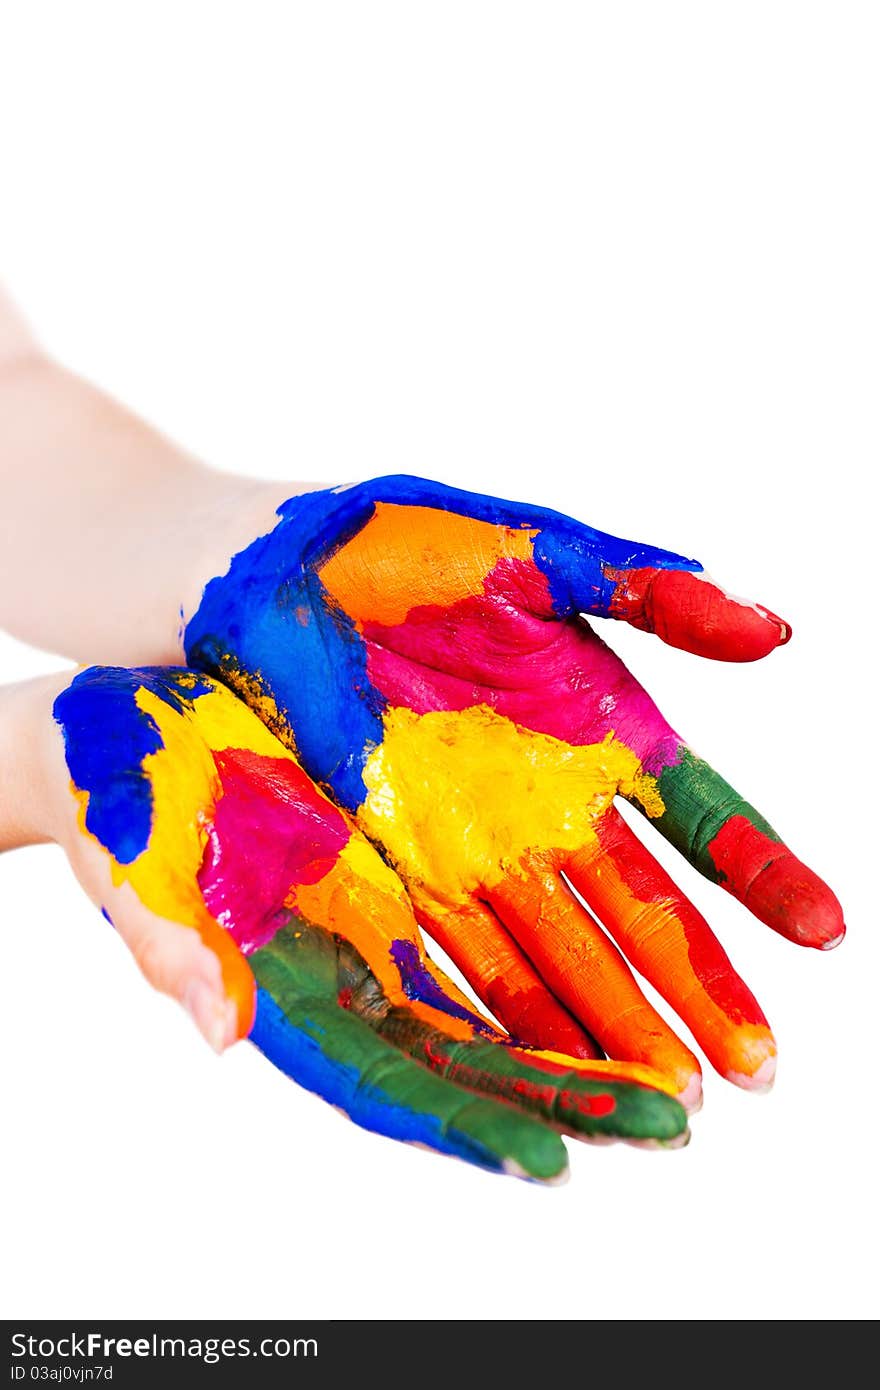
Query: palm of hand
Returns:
{"type": "Point", "coordinates": [211, 823]}
{"type": "Point", "coordinates": [423, 650]}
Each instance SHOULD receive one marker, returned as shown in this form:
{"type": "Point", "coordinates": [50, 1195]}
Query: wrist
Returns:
{"type": "Point", "coordinates": [30, 755]}
{"type": "Point", "coordinates": [230, 514]}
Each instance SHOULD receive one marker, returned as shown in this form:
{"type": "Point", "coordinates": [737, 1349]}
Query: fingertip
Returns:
{"type": "Point", "coordinates": [559, 1178]}
{"type": "Point", "coordinates": [242, 999]}
{"type": "Point", "coordinates": [694, 613]}
{"type": "Point", "coordinates": [775, 885]}
{"type": "Point", "coordinates": [784, 628]}
{"type": "Point", "coordinates": [794, 901]}
{"type": "Point", "coordinates": [238, 985]}
{"type": "Point", "coordinates": [691, 1095]}
{"type": "Point", "coordinates": [834, 942]}
{"type": "Point", "coordinates": [215, 1016]}
{"type": "Point", "coordinates": [760, 1081]}
{"type": "Point", "coordinates": [686, 609]}
{"type": "Point", "coordinates": [678, 1141]}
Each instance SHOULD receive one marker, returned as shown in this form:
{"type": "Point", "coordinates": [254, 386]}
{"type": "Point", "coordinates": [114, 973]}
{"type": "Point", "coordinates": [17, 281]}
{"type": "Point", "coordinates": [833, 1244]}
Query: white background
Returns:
{"type": "Point", "coordinates": [618, 259]}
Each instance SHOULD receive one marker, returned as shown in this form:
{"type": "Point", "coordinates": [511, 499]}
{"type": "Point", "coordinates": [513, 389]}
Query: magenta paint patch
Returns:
{"type": "Point", "coordinates": [497, 649]}
{"type": "Point", "coordinates": [272, 830]}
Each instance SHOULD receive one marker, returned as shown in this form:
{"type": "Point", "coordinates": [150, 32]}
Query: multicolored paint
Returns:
{"type": "Point", "coordinates": [214, 824]}
{"type": "Point", "coordinates": [424, 651]}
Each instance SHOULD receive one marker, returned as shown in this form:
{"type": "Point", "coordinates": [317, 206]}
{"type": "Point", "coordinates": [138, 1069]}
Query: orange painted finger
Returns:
{"type": "Point", "coordinates": [587, 972]}
{"type": "Point", "coordinates": [435, 1000]}
{"type": "Point", "coordinates": [666, 939]}
{"type": "Point", "coordinates": [495, 967]}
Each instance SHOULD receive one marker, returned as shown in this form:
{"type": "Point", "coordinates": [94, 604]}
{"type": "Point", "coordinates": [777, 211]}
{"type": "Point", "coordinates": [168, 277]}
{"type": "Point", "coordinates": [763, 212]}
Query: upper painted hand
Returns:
{"type": "Point", "coordinates": [425, 650]}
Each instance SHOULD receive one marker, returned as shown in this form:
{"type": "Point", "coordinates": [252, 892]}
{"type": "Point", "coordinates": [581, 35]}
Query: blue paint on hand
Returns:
{"type": "Point", "coordinates": [419, 983]}
{"type": "Point", "coordinates": [270, 617]}
{"type": "Point", "coordinates": [107, 738]}
{"type": "Point", "coordinates": [300, 1052]}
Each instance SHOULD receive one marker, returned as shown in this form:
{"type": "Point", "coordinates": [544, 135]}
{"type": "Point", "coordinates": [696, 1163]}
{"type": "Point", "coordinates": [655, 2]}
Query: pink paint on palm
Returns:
{"type": "Point", "coordinates": [272, 830]}
{"type": "Point", "coordinates": [501, 648]}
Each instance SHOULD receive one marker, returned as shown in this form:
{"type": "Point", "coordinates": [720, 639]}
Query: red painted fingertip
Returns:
{"type": "Point", "coordinates": [775, 885]}
{"type": "Point", "coordinates": [688, 611]}
{"type": "Point", "coordinates": [784, 627]}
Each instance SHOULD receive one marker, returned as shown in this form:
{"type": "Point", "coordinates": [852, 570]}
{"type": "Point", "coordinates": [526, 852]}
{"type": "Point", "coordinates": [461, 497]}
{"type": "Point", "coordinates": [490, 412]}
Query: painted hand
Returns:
{"type": "Point", "coordinates": [189, 820]}
{"type": "Point", "coordinates": [425, 652]}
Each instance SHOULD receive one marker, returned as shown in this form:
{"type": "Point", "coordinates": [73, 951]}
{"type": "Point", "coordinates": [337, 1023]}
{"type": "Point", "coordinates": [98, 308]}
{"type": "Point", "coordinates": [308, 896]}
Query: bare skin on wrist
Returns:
{"type": "Point", "coordinates": [30, 757]}
{"type": "Point", "coordinates": [104, 510]}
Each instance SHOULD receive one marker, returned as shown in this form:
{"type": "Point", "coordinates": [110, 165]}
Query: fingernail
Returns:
{"type": "Point", "coordinates": [213, 1015]}
{"type": "Point", "coordinates": [691, 1097]}
{"type": "Point", "coordinates": [784, 628]}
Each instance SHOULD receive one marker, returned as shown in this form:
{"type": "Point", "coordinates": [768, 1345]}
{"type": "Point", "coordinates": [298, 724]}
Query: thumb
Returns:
{"type": "Point", "coordinates": [202, 968]}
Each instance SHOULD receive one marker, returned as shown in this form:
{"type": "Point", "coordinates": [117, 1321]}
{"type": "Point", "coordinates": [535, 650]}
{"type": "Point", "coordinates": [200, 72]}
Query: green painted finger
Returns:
{"type": "Point", "coordinates": [597, 1106]}
{"type": "Point", "coordinates": [303, 1028]}
{"type": "Point", "coordinates": [320, 986]}
{"type": "Point", "coordinates": [732, 844]}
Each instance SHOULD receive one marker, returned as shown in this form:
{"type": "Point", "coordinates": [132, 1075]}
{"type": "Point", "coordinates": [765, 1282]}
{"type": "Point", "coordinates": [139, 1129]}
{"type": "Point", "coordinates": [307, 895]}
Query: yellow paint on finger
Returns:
{"type": "Point", "coordinates": [611, 1070]}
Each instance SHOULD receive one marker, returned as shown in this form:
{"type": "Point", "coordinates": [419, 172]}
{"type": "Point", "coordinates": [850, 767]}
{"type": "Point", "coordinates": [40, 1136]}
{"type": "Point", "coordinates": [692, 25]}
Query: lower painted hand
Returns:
{"type": "Point", "coordinates": [244, 891]}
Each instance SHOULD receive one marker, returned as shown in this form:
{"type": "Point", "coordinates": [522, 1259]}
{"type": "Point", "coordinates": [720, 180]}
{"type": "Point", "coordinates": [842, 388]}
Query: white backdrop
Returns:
{"type": "Point", "coordinates": [621, 260]}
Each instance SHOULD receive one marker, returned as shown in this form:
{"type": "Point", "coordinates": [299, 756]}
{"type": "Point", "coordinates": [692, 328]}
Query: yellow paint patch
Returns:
{"type": "Point", "coordinates": [368, 866]}
{"type": "Point", "coordinates": [610, 1070]}
{"type": "Point", "coordinates": [459, 798]}
{"type": "Point", "coordinates": [250, 688]}
{"type": "Point", "coordinates": [406, 557]}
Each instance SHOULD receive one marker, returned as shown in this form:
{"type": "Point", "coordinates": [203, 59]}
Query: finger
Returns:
{"type": "Point", "coordinates": [433, 999]}
{"type": "Point", "coordinates": [143, 782]}
{"type": "Point", "coordinates": [655, 590]}
{"type": "Point", "coordinates": [193, 959]}
{"type": "Point", "coordinates": [593, 1100]}
{"type": "Point", "coordinates": [590, 1099]}
{"type": "Point", "coordinates": [199, 965]}
{"type": "Point", "coordinates": [505, 980]}
{"type": "Point", "coordinates": [330, 1049]}
{"type": "Point", "coordinates": [587, 972]}
{"type": "Point", "coordinates": [687, 610]}
{"type": "Point", "coordinates": [670, 944]}
{"type": "Point", "coordinates": [411, 543]}
{"type": "Point", "coordinates": [731, 844]}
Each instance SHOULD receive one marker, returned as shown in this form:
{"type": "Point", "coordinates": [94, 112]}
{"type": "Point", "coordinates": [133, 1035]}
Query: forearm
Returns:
{"type": "Point", "coordinates": [108, 530]}
{"type": "Point", "coordinates": [26, 800]}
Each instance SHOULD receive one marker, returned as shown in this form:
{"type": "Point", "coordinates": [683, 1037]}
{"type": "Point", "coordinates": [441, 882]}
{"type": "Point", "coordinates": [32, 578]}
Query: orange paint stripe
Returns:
{"type": "Point", "coordinates": [672, 945]}
{"type": "Point", "coordinates": [406, 557]}
{"type": "Point", "coordinates": [371, 920]}
{"type": "Point", "coordinates": [587, 972]}
{"type": "Point", "coordinates": [504, 979]}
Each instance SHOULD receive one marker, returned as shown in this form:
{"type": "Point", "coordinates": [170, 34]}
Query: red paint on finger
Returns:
{"type": "Point", "coordinates": [641, 882]}
{"type": "Point", "coordinates": [521, 1088]}
{"type": "Point", "coordinates": [688, 611]}
{"type": "Point", "coordinates": [775, 885]}
{"type": "Point", "coordinates": [602, 1104]}
{"type": "Point", "coordinates": [535, 1017]}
